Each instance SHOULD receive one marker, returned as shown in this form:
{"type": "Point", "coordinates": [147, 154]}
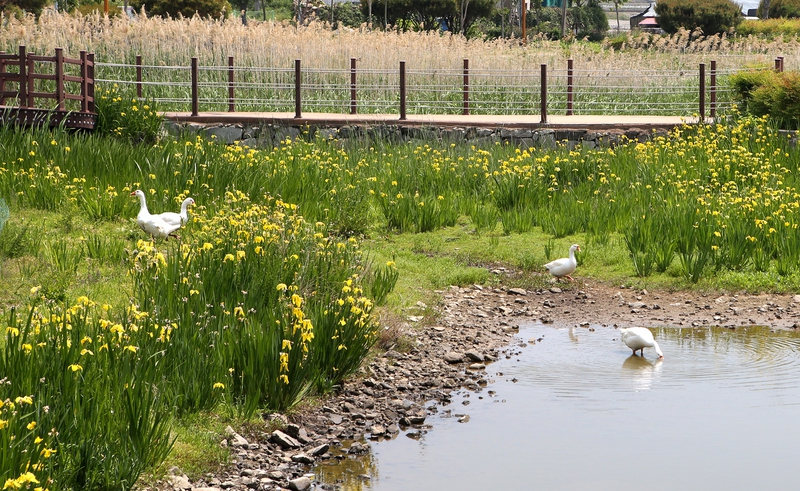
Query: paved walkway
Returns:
{"type": "Point", "coordinates": [441, 120]}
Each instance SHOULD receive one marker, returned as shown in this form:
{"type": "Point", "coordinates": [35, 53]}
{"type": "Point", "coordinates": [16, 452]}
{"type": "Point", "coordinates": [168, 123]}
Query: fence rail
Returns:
{"type": "Point", "coordinates": [47, 89]}
{"type": "Point", "coordinates": [569, 90]}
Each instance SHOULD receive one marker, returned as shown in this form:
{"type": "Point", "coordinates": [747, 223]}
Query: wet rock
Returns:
{"type": "Point", "coordinates": [358, 448]}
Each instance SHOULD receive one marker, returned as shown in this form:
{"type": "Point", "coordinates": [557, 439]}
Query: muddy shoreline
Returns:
{"type": "Point", "coordinates": [474, 327]}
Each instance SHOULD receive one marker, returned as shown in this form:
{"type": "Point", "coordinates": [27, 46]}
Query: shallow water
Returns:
{"type": "Point", "coordinates": [575, 411]}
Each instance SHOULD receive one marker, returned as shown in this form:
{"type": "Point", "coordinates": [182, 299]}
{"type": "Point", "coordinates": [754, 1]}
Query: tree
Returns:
{"type": "Point", "coordinates": [711, 16]}
{"type": "Point", "coordinates": [186, 8]}
{"type": "Point", "coordinates": [773, 9]}
{"type": "Point", "coordinates": [33, 6]}
{"type": "Point", "coordinates": [617, 3]}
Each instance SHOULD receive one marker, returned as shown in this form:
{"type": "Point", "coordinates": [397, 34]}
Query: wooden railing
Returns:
{"type": "Point", "coordinates": [53, 90]}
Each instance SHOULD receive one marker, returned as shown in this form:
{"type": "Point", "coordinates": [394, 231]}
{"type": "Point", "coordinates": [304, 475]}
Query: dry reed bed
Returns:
{"type": "Point", "coordinates": [174, 42]}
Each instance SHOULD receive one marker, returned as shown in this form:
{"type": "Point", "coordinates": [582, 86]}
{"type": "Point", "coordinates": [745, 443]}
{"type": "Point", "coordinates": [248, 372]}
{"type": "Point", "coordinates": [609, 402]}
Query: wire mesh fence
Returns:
{"type": "Point", "coordinates": [412, 90]}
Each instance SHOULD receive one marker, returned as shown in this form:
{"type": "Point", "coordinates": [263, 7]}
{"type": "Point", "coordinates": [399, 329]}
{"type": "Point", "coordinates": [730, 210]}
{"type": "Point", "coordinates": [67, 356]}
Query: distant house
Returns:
{"type": "Point", "coordinates": [646, 20]}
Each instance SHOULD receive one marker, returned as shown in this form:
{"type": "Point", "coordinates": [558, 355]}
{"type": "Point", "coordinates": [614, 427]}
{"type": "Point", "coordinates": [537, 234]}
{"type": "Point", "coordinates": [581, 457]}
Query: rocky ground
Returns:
{"type": "Point", "coordinates": [474, 327]}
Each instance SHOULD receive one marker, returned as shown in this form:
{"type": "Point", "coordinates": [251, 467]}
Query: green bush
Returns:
{"type": "Point", "coordinates": [770, 28]}
{"type": "Point", "coordinates": [185, 8]}
{"type": "Point", "coordinates": [711, 16]}
{"type": "Point", "coordinates": [780, 8]}
{"type": "Point", "coordinates": [124, 116]}
{"type": "Point", "coordinates": [765, 93]}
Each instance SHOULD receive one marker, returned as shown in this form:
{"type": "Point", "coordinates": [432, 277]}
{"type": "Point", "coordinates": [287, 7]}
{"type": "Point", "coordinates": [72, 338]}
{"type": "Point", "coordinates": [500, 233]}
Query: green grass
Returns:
{"type": "Point", "coordinates": [313, 235]}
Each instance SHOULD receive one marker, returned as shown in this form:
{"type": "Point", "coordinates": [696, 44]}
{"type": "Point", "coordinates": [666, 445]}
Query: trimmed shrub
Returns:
{"type": "Point", "coordinates": [711, 16]}
{"type": "Point", "coordinates": [780, 8]}
{"type": "Point", "coordinates": [770, 28]}
{"type": "Point", "coordinates": [765, 93]}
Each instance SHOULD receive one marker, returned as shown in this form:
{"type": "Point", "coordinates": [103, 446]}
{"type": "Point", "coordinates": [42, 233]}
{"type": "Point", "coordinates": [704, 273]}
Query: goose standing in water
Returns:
{"type": "Point", "coordinates": [564, 267]}
{"type": "Point", "coordinates": [639, 338]}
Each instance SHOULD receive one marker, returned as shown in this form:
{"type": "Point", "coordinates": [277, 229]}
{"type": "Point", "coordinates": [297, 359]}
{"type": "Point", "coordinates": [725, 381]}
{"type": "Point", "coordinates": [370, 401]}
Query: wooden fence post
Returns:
{"type": "Point", "coordinates": [543, 119]}
{"type": "Point", "coordinates": [231, 101]}
{"type": "Point", "coordinates": [569, 87]}
{"type": "Point", "coordinates": [30, 81]}
{"type": "Point", "coordinates": [702, 92]}
{"type": "Point", "coordinates": [2, 79]}
{"type": "Point", "coordinates": [90, 82]}
{"type": "Point", "coordinates": [195, 90]}
{"type": "Point", "coordinates": [59, 70]}
{"type": "Point", "coordinates": [84, 83]}
{"type": "Point", "coordinates": [353, 108]}
{"type": "Point", "coordinates": [466, 87]}
{"type": "Point", "coordinates": [402, 91]}
{"type": "Point", "coordinates": [139, 76]}
{"type": "Point", "coordinates": [713, 89]}
{"type": "Point", "coordinates": [23, 87]}
{"type": "Point", "coordinates": [297, 87]}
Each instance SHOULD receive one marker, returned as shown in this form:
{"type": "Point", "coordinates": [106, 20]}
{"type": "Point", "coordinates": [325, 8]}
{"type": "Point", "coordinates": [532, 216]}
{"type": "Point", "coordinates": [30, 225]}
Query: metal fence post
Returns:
{"type": "Point", "coordinates": [466, 87]}
{"type": "Point", "coordinates": [353, 108]}
{"type": "Point", "coordinates": [543, 119]}
{"type": "Point", "coordinates": [702, 92]}
{"type": "Point", "coordinates": [231, 101]}
{"type": "Point", "coordinates": [402, 90]}
{"type": "Point", "coordinates": [778, 65]}
{"type": "Point", "coordinates": [195, 95]}
{"type": "Point", "coordinates": [569, 87]}
{"type": "Point", "coordinates": [297, 87]}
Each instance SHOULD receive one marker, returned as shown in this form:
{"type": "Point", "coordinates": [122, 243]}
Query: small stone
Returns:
{"type": "Point", "coordinates": [236, 440]}
{"type": "Point", "coordinates": [302, 458]}
{"type": "Point", "coordinates": [477, 366]}
{"type": "Point", "coordinates": [180, 482]}
{"type": "Point", "coordinates": [300, 484]}
{"type": "Point", "coordinates": [284, 440]}
{"type": "Point", "coordinates": [320, 450]}
{"type": "Point", "coordinates": [474, 355]}
{"type": "Point", "coordinates": [517, 291]}
{"type": "Point", "coordinates": [453, 357]}
{"type": "Point", "coordinates": [275, 475]}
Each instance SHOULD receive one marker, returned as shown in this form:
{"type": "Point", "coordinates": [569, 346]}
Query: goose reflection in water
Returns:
{"type": "Point", "coordinates": [641, 371]}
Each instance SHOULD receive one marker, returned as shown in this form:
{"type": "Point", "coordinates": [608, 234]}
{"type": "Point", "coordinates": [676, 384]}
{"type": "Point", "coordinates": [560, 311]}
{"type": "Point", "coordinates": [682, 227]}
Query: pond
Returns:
{"type": "Point", "coordinates": [572, 409]}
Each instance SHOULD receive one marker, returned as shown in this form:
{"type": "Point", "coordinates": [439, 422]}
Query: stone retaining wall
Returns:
{"type": "Point", "coordinates": [270, 135]}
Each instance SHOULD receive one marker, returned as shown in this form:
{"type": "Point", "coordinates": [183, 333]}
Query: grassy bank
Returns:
{"type": "Point", "coordinates": [269, 295]}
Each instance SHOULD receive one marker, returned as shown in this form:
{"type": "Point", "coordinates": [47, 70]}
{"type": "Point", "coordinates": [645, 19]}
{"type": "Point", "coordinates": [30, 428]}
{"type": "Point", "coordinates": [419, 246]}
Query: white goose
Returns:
{"type": "Point", "coordinates": [639, 338]}
{"type": "Point", "coordinates": [181, 218]}
{"type": "Point", "coordinates": [154, 225]}
{"type": "Point", "coordinates": [564, 266]}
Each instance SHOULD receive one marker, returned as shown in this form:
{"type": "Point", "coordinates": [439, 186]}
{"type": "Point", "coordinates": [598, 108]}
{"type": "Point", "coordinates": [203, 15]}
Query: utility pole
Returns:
{"type": "Point", "coordinates": [563, 18]}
